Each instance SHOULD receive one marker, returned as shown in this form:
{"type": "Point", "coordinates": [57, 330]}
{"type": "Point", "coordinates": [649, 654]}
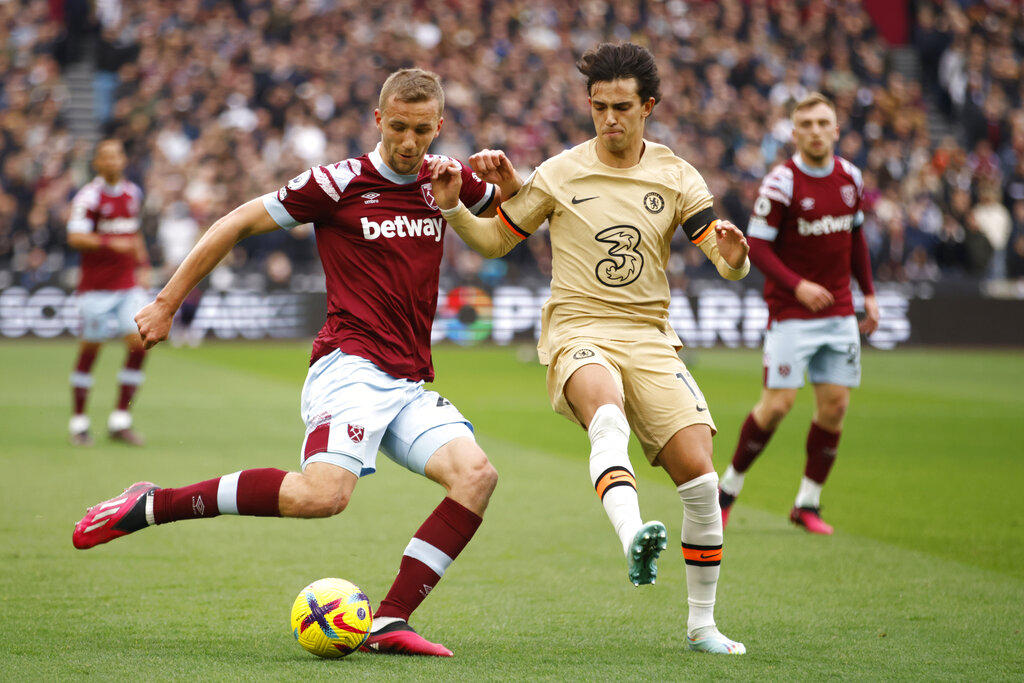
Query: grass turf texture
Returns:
{"type": "Point", "coordinates": [923, 580]}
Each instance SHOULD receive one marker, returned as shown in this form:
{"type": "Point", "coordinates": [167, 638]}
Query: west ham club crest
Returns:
{"type": "Point", "coordinates": [355, 432]}
{"type": "Point", "coordinates": [849, 195]}
{"type": "Point", "coordinates": [428, 196]}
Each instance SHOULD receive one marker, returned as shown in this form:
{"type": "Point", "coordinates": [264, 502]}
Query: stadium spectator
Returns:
{"type": "Point", "coordinates": [805, 236]}
{"type": "Point", "coordinates": [159, 64]}
{"type": "Point", "coordinates": [950, 251]}
{"type": "Point", "coordinates": [993, 219]}
{"type": "Point", "coordinates": [1015, 253]}
{"type": "Point", "coordinates": [379, 236]}
{"type": "Point", "coordinates": [978, 250]}
{"type": "Point", "coordinates": [104, 227]}
{"type": "Point", "coordinates": [611, 286]}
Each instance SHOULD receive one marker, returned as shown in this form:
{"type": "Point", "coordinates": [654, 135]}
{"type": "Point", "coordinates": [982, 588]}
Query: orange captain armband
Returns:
{"type": "Point", "coordinates": [513, 228]}
{"type": "Point", "coordinates": [701, 225]}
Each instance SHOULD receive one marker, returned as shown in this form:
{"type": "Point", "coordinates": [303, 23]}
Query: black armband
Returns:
{"type": "Point", "coordinates": [698, 225]}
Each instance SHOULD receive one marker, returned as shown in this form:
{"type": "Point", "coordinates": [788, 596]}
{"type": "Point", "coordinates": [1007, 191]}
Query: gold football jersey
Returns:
{"type": "Point", "coordinates": [610, 234]}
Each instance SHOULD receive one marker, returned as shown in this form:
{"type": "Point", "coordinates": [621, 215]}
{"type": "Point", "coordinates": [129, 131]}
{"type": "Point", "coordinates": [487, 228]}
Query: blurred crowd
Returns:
{"type": "Point", "coordinates": [218, 102]}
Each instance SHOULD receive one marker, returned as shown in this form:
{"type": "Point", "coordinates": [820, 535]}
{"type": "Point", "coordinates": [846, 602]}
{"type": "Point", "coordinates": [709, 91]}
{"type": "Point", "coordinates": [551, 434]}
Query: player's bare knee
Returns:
{"type": "Point", "coordinates": [771, 410]}
{"type": "Point", "coordinates": [339, 501]}
{"type": "Point", "coordinates": [480, 477]}
{"type": "Point", "coordinates": [323, 493]}
{"type": "Point", "coordinates": [327, 503]}
{"type": "Point", "coordinates": [832, 413]}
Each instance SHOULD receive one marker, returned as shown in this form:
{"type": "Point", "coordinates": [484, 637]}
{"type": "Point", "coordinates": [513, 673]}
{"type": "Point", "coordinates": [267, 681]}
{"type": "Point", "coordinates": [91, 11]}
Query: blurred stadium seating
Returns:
{"type": "Point", "coordinates": [219, 102]}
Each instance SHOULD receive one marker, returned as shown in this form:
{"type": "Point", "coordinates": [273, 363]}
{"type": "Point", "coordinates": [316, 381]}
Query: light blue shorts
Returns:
{"type": "Point", "coordinates": [352, 409]}
{"type": "Point", "coordinates": [827, 349]}
{"type": "Point", "coordinates": [107, 314]}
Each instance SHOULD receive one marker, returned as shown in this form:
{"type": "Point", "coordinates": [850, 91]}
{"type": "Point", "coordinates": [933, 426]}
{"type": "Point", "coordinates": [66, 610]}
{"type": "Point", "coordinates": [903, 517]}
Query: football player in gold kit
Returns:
{"type": "Point", "coordinates": [613, 204]}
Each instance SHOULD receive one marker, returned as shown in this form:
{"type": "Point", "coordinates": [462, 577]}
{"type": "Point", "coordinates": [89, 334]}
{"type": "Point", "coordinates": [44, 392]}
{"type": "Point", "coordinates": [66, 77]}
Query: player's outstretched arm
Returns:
{"type": "Point", "coordinates": [154, 319]}
{"type": "Point", "coordinates": [486, 236]}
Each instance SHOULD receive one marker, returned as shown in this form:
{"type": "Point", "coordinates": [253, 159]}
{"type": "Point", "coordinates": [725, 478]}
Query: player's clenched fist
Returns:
{"type": "Point", "coordinates": [492, 166]}
{"type": "Point", "coordinates": [154, 323]}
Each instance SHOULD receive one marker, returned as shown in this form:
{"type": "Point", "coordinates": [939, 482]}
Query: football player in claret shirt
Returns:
{"type": "Point", "coordinates": [104, 227]}
{"type": "Point", "coordinates": [380, 234]}
{"type": "Point", "coordinates": [805, 236]}
{"type": "Point", "coordinates": [613, 204]}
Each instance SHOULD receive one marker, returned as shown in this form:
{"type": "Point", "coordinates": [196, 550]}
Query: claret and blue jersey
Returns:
{"type": "Point", "coordinates": [380, 239]}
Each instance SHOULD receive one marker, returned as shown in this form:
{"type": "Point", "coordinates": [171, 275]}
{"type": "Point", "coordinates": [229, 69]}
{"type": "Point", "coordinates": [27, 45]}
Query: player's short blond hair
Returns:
{"type": "Point", "coordinates": [412, 85]}
{"type": "Point", "coordinates": [108, 141]}
{"type": "Point", "coordinates": [811, 100]}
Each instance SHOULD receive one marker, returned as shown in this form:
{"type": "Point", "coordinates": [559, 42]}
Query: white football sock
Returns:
{"type": "Point", "coordinates": [609, 443]}
{"type": "Point", "coordinates": [809, 495]}
{"type": "Point", "coordinates": [702, 547]}
{"type": "Point", "coordinates": [732, 481]}
{"type": "Point", "coordinates": [118, 420]}
{"type": "Point", "coordinates": [381, 622]}
{"type": "Point", "coordinates": [78, 424]}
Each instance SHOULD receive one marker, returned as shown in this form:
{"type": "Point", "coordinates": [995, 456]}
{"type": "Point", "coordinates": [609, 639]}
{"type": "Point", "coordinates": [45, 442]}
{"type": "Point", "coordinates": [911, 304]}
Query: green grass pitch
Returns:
{"type": "Point", "coordinates": [923, 580]}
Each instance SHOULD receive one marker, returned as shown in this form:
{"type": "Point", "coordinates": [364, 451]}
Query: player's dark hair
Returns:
{"type": "Point", "coordinates": [412, 85]}
{"type": "Point", "coordinates": [610, 61]}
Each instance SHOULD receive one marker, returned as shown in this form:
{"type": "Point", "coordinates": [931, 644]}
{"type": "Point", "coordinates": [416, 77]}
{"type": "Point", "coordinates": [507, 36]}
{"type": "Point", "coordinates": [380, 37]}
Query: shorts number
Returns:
{"type": "Point", "coordinates": [691, 384]}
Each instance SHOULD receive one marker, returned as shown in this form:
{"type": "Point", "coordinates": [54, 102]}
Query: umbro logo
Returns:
{"type": "Point", "coordinates": [581, 200]}
{"type": "Point", "coordinates": [370, 197]}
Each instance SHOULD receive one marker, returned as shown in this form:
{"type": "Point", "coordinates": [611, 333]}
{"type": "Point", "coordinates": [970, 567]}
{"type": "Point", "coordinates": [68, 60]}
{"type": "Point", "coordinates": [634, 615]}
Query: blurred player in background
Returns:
{"type": "Point", "coordinates": [380, 236]}
{"type": "Point", "coordinates": [805, 236]}
{"type": "Point", "coordinates": [104, 227]}
{"type": "Point", "coordinates": [613, 204]}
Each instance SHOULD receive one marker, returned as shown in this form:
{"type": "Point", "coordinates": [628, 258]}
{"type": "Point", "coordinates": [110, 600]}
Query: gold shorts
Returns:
{"type": "Point", "coordinates": [659, 393]}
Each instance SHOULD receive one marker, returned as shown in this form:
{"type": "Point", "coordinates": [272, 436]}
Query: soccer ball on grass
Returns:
{"type": "Point", "coordinates": [331, 618]}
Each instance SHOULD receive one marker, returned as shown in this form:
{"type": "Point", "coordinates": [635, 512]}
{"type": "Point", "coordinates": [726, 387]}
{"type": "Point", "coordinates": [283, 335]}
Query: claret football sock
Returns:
{"type": "Point", "coordinates": [822, 446]}
{"type": "Point", "coordinates": [751, 442]}
{"type": "Point", "coordinates": [130, 378]}
{"type": "Point", "coordinates": [82, 380]}
{"type": "Point", "coordinates": [252, 492]}
{"type": "Point", "coordinates": [437, 543]}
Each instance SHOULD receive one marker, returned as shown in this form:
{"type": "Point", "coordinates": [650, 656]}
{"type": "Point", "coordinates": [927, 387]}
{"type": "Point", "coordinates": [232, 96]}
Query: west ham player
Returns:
{"type": "Point", "coordinates": [613, 204]}
{"type": "Point", "coordinates": [380, 235]}
{"type": "Point", "coordinates": [805, 236]}
{"type": "Point", "coordinates": [104, 226]}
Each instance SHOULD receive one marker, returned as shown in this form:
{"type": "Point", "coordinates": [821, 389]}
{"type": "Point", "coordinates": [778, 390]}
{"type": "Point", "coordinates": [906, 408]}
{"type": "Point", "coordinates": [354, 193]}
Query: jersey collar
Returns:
{"type": "Point", "coordinates": [113, 190]}
{"type": "Point", "coordinates": [812, 171]}
{"type": "Point", "coordinates": [378, 163]}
